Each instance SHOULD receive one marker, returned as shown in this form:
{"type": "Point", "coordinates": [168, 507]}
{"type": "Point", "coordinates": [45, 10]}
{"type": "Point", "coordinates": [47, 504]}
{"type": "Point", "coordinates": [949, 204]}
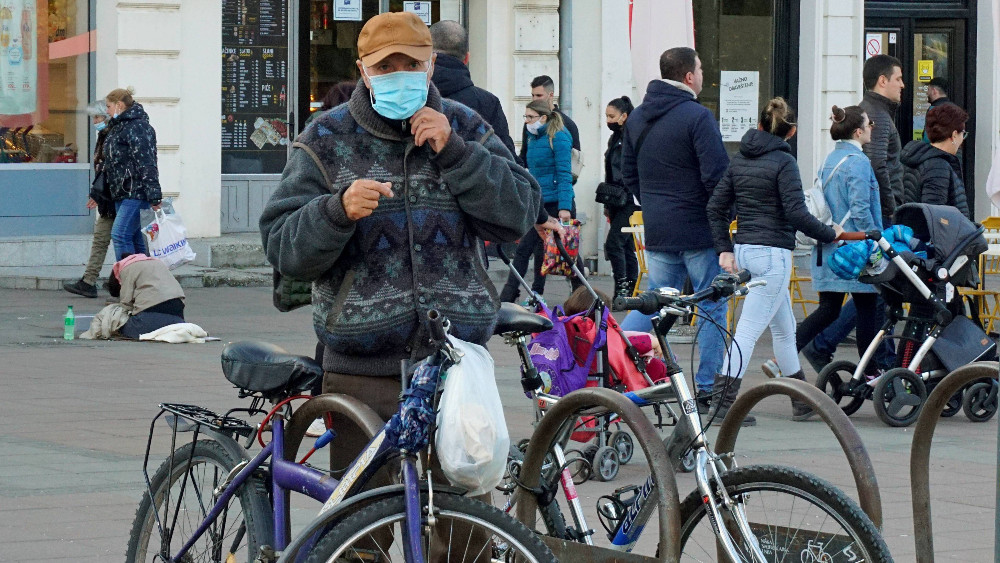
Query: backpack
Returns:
{"type": "Point", "coordinates": [551, 352]}
{"type": "Point", "coordinates": [817, 205]}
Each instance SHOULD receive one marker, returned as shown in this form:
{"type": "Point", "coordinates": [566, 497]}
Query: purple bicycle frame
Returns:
{"type": "Point", "coordinates": [285, 476]}
{"type": "Point", "coordinates": [288, 476]}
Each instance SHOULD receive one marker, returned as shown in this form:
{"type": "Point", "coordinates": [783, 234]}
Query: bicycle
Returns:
{"type": "Point", "coordinates": [211, 501]}
{"type": "Point", "coordinates": [759, 513]}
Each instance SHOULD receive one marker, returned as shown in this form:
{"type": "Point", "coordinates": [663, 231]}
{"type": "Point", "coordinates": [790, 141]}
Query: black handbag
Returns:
{"type": "Point", "coordinates": [612, 195]}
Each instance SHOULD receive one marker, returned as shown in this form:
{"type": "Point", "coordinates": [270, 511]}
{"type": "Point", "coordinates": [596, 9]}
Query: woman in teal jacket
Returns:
{"type": "Point", "coordinates": [548, 159]}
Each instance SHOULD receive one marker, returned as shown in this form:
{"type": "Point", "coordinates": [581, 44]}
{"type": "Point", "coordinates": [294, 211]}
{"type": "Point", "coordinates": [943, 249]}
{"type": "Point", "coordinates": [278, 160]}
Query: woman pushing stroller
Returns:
{"type": "Point", "coordinates": [764, 186]}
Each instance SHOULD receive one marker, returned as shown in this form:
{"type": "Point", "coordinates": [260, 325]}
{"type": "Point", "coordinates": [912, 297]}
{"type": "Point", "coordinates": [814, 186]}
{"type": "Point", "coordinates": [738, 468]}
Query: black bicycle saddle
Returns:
{"type": "Point", "coordinates": [515, 318]}
{"type": "Point", "coordinates": [265, 368]}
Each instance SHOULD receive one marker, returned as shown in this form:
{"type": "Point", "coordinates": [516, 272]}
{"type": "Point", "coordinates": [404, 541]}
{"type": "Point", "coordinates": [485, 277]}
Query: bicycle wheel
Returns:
{"type": "Point", "coordinates": [241, 529]}
{"type": "Point", "coordinates": [466, 530]}
{"type": "Point", "coordinates": [795, 516]}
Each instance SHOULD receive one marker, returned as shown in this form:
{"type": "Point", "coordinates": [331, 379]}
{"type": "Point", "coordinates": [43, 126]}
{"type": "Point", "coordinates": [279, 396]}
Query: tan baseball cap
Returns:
{"type": "Point", "coordinates": [394, 32]}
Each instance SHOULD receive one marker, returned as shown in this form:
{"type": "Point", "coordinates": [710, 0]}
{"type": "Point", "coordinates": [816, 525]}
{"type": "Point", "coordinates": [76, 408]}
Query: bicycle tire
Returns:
{"type": "Point", "coordinates": [339, 540]}
{"type": "Point", "coordinates": [252, 499]}
{"type": "Point", "coordinates": [858, 536]}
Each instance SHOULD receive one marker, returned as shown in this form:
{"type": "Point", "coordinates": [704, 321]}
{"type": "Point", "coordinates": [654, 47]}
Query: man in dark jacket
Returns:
{"type": "Point", "coordinates": [673, 153]}
{"type": "Point", "coordinates": [452, 78]}
{"type": "Point", "coordinates": [381, 205]}
{"type": "Point", "coordinates": [883, 79]}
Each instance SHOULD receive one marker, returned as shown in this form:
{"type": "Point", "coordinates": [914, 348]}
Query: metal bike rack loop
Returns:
{"type": "Point", "coordinates": [869, 497]}
{"type": "Point", "coordinates": [569, 408]}
{"type": "Point", "coordinates": [360, 414]}
{"type": "Point", "coordinates": [920, 451]}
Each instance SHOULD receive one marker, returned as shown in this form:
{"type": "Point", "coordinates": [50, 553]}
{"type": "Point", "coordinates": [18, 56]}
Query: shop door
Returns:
{"type": "Point", "coordinates": [928, 48]}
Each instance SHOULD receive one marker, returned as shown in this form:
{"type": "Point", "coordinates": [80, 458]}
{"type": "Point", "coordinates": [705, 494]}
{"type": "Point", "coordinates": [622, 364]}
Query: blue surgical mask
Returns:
{"type": "Point", "coordinates": [100, 125]}
{"type": "Point", "coordinates": [398, 95]}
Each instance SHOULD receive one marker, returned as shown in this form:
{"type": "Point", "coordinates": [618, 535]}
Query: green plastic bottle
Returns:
{"type": "Point", "coordinates": [69, 324]}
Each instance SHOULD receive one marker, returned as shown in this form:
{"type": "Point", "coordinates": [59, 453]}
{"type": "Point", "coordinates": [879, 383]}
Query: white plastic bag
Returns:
{"type": "Point", "coordinates": [166, 239]}
{"type": "Point", "coordinates": [472, 438]}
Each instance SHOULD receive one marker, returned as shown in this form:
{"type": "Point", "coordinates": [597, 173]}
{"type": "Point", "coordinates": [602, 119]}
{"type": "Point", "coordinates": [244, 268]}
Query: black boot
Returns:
{"type": "Point", "coordinates": [81, 288]}
{"type": "Point", "coordinates": [623, 288]}
{"type": "Point", "coordinates": [704, 400]}
{"type": "Point", "coordinates": [724, 393]}
{"type": "Point", "coordinates": [800, 409]}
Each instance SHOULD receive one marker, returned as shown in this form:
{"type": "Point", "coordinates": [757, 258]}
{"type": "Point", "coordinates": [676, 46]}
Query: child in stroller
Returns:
{"type": "Point", "coordinates": [929, 252]}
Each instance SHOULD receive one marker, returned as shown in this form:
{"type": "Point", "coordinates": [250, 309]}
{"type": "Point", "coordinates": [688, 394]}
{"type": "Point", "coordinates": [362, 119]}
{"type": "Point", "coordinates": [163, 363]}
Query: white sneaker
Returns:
{"type": "Point", "coordinates": [770, 369]}
{"type": "Point", "coordinates": [317, 428]}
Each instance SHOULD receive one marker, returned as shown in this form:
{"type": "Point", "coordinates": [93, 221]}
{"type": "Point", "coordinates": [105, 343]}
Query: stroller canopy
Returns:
{"type": "Point", "coordinates": [945, 227]}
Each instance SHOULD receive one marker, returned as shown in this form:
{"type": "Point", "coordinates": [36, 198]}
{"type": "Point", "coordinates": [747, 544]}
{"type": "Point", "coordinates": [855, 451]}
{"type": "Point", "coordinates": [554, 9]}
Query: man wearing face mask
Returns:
{"type": "Point", "coordinates": [382, 204]}
{"type": "Point", "coordinates": [100, 199]}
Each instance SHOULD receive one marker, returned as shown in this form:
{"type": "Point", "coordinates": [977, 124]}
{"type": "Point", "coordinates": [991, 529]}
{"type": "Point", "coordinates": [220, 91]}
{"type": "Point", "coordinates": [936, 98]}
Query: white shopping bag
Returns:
{"type": "Point", "coordinates": [166, 239]}
{"type": "Point", "coordinates": [472, 438]}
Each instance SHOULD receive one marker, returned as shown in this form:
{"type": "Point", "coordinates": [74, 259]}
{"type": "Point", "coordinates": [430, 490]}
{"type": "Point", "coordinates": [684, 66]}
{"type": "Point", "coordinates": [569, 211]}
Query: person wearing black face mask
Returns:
{"type": "Point", "coordinates": [618, 202]}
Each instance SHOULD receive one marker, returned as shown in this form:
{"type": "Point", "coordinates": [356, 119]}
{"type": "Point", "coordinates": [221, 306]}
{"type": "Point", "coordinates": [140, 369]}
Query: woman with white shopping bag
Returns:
{"type": "Point", "coordinates": [130, 170]}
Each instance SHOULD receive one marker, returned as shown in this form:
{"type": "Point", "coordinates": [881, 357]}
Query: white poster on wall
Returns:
{"type": "Point", "coordinates": [873, 44]}
{"type": "Point", "coordinates": [347, 10]}
{"type": "Point", "coordinates": [422, 9]}
{"type": "Point", "coordinates": [739, 97]}
{"type": "Point", "coordinates": [18, 57]}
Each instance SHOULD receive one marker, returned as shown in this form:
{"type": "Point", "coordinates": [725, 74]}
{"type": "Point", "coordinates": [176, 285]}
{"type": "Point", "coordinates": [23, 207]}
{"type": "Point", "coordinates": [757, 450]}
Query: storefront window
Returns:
{"type": "Point", "coordinates": [44, 73]}
{"type": "Point", "coordinates": [735, 40]}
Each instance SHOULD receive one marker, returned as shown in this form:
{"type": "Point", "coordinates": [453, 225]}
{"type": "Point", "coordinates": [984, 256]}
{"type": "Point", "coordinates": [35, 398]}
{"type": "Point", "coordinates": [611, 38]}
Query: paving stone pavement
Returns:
{"type": "Point", "coordinates": [76, 417]}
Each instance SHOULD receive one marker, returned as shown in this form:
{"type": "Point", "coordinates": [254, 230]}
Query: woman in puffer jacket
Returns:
{"type": "Point", "coordinates": [933, 173]}
{"type": "Point", "coordinates": [549, 161]}
{"type": "Point", "coordinates": [130, 170]}
{"type": "Point", "coordinates": [764, 186]}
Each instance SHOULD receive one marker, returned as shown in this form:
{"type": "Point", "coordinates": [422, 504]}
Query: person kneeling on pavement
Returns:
{"type": "Point", "coordinates": [148, 292]}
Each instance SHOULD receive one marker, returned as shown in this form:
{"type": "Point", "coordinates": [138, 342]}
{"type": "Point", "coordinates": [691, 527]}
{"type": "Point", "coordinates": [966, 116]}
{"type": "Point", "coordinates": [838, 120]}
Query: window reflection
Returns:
{"type": "Point", "coordinates": [44, 64]}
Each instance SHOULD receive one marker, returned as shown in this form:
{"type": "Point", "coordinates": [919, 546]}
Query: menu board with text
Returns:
{"type": "Point", "coordinates": [254, 86]}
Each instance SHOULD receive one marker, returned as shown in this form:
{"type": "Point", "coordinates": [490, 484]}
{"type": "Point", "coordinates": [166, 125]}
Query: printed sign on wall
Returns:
{"type": "Point", "coordinates": [739, 97]}
{"type": "Point", "coordinates": [18, 57]}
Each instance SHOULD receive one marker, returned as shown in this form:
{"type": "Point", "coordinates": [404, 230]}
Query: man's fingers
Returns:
{"type": "Point", "coordinates": [370, 189]}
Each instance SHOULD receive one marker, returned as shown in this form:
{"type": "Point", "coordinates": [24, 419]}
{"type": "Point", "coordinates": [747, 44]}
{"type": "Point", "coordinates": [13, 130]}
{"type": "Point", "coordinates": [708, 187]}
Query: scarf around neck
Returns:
{"type": "Point", "coordinates": [128, 260]}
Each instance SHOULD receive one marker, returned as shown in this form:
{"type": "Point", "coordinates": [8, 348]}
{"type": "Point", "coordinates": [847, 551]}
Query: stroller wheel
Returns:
{"type": "Point", "coordinates": [899, 396]}
{"type": "Point", "coordinates": [836, 381]}
{"type": "Point", "coordinates": [980, 403]}
{"type": "Point", "coordinates": [606, 464]}
{"type": "Point", "coordinates": [622, 441]}
{"type": "Point", "coordinates": [953, 406]}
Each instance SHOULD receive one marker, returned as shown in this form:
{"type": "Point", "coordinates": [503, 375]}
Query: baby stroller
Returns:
{"type": "Point", "coordinates": [583, 340]}
{"type": "Point", "coordinates": [937, 337]}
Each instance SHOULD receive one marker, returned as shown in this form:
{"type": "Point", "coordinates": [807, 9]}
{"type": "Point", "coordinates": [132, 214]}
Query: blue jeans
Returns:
{"type": "Point", "coordinates": [126, 233]}
{"type": "Point", "coordinates": [671, 269]}
{"type": "Point", "coordinates": [768, 306]}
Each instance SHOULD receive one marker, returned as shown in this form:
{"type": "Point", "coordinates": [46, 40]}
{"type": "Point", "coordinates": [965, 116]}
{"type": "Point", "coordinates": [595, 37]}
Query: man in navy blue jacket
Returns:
{"type": "Point", "coordinates": [672, 158]}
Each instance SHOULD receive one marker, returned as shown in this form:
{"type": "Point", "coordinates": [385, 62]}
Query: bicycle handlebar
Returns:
{"type": "Point", "coordinates": [435, 322]}
{"type": "Point", "coordinates": [652, 301]}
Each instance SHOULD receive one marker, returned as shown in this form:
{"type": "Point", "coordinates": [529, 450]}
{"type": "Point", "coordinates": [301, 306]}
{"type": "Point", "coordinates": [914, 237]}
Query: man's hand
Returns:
{"type": "Point", "coordinates": [431, 127]}
{"type": "Point", "coordinates": [361, 198]}
{"type": "Point", "coordinates": [91, 204]}
{"type": "Point", "coordinates": [727, 261]}
{"type": "Point", "coordinates": [156, 207]}
{"type": "Point", "coordinates": [552, 224]}
{"type": "Point", "coordinates": [565, 216]}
